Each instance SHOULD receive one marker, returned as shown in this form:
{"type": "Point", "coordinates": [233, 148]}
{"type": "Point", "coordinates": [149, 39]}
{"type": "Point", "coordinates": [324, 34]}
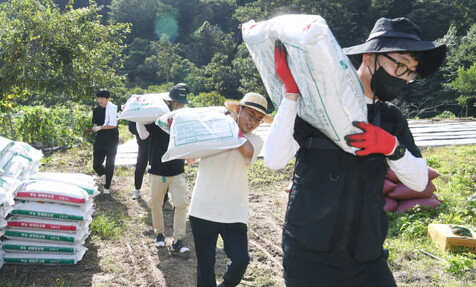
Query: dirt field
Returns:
{"type": "Point", "coordinates": [134, 260]}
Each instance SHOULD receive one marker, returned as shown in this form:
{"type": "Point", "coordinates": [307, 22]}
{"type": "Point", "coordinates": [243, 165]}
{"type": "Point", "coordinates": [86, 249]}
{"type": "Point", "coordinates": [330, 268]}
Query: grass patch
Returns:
{"type": "Point", "coordinates": [107, 226]}
{"type": "Point", "coordinates": [410, 249]}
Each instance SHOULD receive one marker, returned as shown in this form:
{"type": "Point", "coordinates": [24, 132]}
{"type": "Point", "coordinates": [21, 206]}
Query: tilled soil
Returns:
{"type": "Point", "coordinates": [134, 260]}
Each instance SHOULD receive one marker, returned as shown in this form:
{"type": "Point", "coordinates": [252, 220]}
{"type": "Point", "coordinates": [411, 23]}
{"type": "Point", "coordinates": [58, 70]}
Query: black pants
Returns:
{"type": "Point", "coordinates": [235, 239]}
{"type": "Point", "coordinates": [106, 151]}
{"type": "Point", "coordinates": [142, 160]}
{"type": "Point", "coordinates": [299, 272]}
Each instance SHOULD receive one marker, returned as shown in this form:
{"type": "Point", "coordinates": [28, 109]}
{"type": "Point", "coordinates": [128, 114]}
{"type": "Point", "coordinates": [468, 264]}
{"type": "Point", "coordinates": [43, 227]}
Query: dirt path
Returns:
{"type": "Point", "coordinates": [134, 260]}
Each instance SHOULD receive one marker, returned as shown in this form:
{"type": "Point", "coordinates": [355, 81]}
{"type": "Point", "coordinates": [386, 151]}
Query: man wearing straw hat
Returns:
{"type": "Point", "coordinates": [219, 204]}
{"type": "Point", "coordinates": [335, 224]}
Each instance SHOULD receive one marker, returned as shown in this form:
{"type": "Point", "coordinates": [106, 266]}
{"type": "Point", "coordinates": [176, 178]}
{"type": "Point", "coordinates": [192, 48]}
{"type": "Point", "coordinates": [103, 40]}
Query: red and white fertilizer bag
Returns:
{"type": "Point", "coordinates": [52, 211]}
{"type": "Point", "coordinates": [406, 205]}
{"type": "Point", "coordinates": [144, 109]}
{"type": "Point", "coordinates": [403, 192]}
{"type": "Point", "coordinates": [42, 258]}
{"type": "Point", "coordinates": [80, 180]}
{"type": "Point", "coordinates": [24, 246]}
{"type": "Point", "coordinates": [390, 204]}
{"type": "Point", "coordinates": [199, 132]}
{"type": "Point", "coordinates": [45, 236]}
{"type": "Point", "coordinates": [51, 191]}
{"type": "Point", "coordinates": [41, 224]}
{"type": "Point", "coordinates": [388, 186]}
{"type": "Point", "coordinates": [332, 96]}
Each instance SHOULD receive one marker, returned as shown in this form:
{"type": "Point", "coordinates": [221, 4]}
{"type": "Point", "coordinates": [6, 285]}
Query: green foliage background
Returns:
{"type": "Point", "coordinates": [55, 52]}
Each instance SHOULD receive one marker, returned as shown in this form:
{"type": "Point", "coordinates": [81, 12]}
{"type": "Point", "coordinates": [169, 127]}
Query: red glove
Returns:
{"type": "Point", "coordinates": [282, 68]}
{"type": "Point", "coordinates": [372, 140]}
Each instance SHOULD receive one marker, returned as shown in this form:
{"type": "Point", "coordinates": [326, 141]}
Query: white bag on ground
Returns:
{"type": "Point", "coordinates": [42, 258]}
{"type": "Point", "coordinates": [52, 210]}
{"type": "Point", "coordinates": [80, 180]}
{"type": "Point", "coordinates": [199, 132]}
{"type": "Point", "coordinates": [14, 246]}
{"type": "Point", "coordinates": [19, 158]}
{"type": "Point", "coordinates": [332, 96]}
{"type": "Point", "coordinates": [8, 187]}
{"type": "Point", "coordinates": [5, 144]}
{"type": "Point", "coordinates": [144, 109]}
{"type": "Point", "coordinates": [52, 191]}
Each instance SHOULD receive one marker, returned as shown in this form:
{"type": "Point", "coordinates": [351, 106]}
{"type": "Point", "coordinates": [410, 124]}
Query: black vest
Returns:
{"type": "Point", "coordinates": [336, 202]}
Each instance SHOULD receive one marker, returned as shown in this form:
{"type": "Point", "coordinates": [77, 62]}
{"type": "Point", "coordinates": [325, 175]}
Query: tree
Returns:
{"type": "Point", "coordinates": [141, 14]}
{"type": "Point", "coordinates": [208, 40]}
{"type": "Point", "coordinates": [167, 59]}
{"type": "Point", "coordinates": [45, 51]}
{"type": "Point", "coordinates": [465, 84]}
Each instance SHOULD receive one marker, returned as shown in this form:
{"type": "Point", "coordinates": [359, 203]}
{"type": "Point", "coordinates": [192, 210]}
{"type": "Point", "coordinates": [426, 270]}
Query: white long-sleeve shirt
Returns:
{"type": "Point", "coordinates": [280, 148]}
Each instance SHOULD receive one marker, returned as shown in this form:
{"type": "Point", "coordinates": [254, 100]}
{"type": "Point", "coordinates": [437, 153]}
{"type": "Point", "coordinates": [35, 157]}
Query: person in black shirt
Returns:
{"type": "Point", "coordinates": [335, 224]}
{"type": "Point", "coordinates": [167, 175]}
{"type": "Point", "coordinates": [107, 138]}
{"type": "Point", "coordinates": [142, 159]}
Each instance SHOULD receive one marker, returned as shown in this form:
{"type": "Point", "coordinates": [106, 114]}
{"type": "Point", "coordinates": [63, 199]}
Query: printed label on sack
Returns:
{"type": "Point", "coordinates": [203, 131]}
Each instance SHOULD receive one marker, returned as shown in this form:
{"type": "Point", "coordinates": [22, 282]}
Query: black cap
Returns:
{"type": "Point", "coordinates": [179, 93]}
{"type": "Point", "coordinates": [103, 93]}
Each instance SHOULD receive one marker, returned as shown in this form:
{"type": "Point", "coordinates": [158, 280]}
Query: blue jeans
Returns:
{"type": "Point", "coordinates": [235, 238]}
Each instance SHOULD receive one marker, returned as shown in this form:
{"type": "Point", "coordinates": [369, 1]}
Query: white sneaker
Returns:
{"type": "Point", "coordinates": [106, 191]}
{"type": "Point", "coordinates": [136, 194]}
{"type": "Point", "coordinates": [103, 179]}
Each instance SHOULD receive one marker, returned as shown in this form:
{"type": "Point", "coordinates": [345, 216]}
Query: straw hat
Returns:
{"type": "Point", "coordinates": [253, 101]}
{"type": "Point", "coordinates": [400, 35]}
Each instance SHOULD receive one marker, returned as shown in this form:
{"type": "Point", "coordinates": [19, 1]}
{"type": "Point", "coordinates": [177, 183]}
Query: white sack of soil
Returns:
{"type": "Point", "coordinates": [332, 96]}
{"type": "Point", "coordinates": [144, 109]}
{"type": "Point", "coordinates": [80, 180]}
{"type": "Point", "coordinates": [25, 246]}
{"type": "Point", "coordinates": [199, 132]}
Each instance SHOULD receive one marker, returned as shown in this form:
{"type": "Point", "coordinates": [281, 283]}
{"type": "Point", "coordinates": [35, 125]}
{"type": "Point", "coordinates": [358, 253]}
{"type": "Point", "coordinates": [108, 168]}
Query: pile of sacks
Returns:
{"type": "Point", "coordinates": [45, 217]}
{"type": "Point", "coordinates": [399, 198]}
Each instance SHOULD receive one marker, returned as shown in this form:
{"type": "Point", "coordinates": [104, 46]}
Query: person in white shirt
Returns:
{"type": "Point", "coordinates": [335, 224]}
{"type": "Point", "coordinates": [107, 138]}
{"type": "Point", "coordinates": [219, 204]}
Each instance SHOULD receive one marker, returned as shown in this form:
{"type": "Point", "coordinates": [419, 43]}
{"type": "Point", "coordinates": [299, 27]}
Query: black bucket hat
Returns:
{"type": "Point", "coordinates": [179, 93]}
{"type": "Point", "coordinates": [400, 35]}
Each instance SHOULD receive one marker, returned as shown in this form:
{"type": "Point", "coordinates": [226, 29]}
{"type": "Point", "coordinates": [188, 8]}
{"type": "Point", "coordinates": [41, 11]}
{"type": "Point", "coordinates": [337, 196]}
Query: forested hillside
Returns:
{"type": "Point", "coordinates": [52, 52]}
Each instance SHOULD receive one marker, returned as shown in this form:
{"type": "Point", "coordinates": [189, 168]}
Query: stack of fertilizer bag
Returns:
{"type": "Point", "coordinates": [332, 96]}
{"type": "Point", "coordinates": [194, 132]}
{"type": "Point", "coordinates": [399, 198]}
{"type": "Point", "coordinates": [49, 220]}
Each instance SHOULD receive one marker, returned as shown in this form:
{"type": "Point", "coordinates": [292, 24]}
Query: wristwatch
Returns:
{"type": "Point", "coordinates": [398, 153]}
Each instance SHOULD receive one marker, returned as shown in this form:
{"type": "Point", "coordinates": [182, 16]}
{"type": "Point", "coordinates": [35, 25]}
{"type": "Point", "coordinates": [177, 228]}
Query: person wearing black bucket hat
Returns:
{"type": "Point", "coordinates": [335, 223]}
{"type": "Point", "coordinates": [168, 175]}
